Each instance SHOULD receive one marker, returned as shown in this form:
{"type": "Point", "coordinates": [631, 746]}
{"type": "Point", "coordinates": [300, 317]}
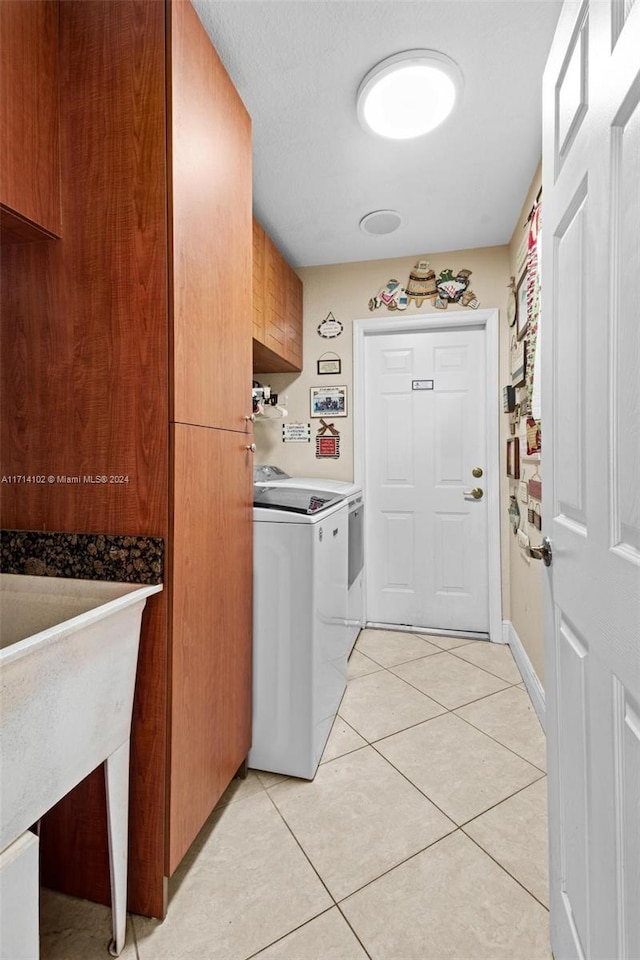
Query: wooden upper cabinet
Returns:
{"type": "Point", "coordinates": [210, 180]}
{"type": "Point", "coordinates": [29, 120]}
{"type": "Point", "coordinates": [277, 309]}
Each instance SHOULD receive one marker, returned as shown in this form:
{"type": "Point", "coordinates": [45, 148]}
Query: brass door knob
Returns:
{"type": "Point", "coordinates": [477, 472]}
{"type": "Point", "coordinates": [477, 493]}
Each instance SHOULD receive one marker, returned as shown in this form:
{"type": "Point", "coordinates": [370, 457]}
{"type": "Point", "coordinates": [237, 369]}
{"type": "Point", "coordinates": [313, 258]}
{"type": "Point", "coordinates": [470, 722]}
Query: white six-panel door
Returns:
{"type": "Point", "coordinates": [426, 536]}
{"type": "Point", "coordinates": [591, 449]}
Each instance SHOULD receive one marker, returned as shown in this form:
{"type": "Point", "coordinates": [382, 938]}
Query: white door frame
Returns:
{"type": "Point", "coordinates": [487, 320]}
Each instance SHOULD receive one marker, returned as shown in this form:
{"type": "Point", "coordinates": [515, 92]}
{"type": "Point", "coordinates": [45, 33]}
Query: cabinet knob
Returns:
{"type": "Point", "coordinates": [251, 417]}
{"type": "Point", "coordinates": [251, 447]}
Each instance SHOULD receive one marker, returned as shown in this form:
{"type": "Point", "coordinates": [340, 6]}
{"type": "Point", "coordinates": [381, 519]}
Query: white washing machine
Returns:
{"type": "Point", "coordinates": [300, 563]}
{"type": "Point", "coordinates": [269, 474]}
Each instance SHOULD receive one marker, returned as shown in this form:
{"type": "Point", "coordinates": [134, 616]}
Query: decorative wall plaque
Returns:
{"type": "Point", "coordinates": [330, 327]}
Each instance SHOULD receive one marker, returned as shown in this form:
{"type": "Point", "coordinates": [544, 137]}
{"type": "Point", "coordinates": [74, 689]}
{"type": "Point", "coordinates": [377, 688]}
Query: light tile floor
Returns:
{"type": "Point", "coordinates": [422, 837]}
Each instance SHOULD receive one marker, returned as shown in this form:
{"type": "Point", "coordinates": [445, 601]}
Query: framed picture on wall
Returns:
{"type": "Point", "coordinates": [513, 458]}
{"type": "Point", "coordinates": [518, 362]}
{"type": "Point", "coordinates": [329, 365]}
{"type": "Point", "coordinates": [522, 313]}
{"type": "Point", "coordinates": [328, 402]}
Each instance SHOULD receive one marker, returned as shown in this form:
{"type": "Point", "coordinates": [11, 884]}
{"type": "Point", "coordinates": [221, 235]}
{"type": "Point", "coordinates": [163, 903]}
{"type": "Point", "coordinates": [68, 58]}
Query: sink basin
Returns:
{"type": "Point", "coordinates": [68, 656]}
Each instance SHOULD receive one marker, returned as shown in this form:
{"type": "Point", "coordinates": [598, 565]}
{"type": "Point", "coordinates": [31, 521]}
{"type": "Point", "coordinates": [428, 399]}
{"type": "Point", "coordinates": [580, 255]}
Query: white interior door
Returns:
{"type": "Point", "coordinates": [426, 538]}
{"type": "Point", "coordinates": [591, 424]}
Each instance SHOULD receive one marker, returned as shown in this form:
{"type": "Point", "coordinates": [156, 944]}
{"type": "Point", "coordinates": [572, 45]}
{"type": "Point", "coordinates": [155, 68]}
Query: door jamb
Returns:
{"type": "Point", "coordinates": [488, 320]}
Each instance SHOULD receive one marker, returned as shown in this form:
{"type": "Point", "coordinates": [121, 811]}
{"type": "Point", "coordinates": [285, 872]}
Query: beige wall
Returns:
{"type": "Point", "coordinates": [525, 577]}
{"type": "Point", "coordinates": [345, 290]}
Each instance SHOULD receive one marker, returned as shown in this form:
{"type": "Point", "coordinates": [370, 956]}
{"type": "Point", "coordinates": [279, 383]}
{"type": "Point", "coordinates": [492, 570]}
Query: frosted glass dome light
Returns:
{"type": "Point", "coordinates": [409, 94]}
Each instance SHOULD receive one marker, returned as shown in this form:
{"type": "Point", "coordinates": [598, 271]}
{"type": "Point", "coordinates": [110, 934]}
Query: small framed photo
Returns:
{"type": "Point", "coordinates": [518, 362]}
{"type": "Point", "coordinates": [329, 401]}
{"type": "Point", "coordinates": [522, 313]}
{"type": "Point", "coordinates": [513, 458]}
{"type": "Point", "coordinates": [333, 365]}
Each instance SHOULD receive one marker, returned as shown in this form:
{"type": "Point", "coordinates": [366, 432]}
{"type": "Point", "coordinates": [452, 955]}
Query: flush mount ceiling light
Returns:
{"type": "Point", "coordinates": [409, 94]}
{"type": "Point", "coordinates": [380, 222]}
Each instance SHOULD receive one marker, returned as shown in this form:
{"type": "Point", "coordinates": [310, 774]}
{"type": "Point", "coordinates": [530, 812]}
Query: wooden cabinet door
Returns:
{"type": "Point", "coordinates": [258, 282]}
{"type": "Point", "coordinates": [293, 349]}
{"type": "Point", "coordinates": [275, 321]}
{"type": "Point", "coordinates": [211, 622]}
{"type": "Point", "coordinates": [210, 164]}
{"type": "Point", "coordinates": [29, 119]}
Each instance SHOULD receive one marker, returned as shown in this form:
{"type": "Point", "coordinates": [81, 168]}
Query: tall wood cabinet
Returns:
{"type": "Point", "coordinates": [277, 308]}
{"type": "Point", "coordinates": [126, 349]}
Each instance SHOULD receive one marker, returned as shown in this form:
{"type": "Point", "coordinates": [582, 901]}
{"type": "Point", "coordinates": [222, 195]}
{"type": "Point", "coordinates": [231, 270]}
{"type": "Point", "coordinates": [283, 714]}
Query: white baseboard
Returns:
{"type": "Point", "coordinates": [530, 677]}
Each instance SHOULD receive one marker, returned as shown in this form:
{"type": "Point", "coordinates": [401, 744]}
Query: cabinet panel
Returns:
{"type": "Point", "coordinates": [275, 325]}
{"type": "Point", "coordinates": [29, 172]}
{"type": "Point", "coordinates": [293, 348]}
{"type": "Point", "coordinates": [210, 163]}
{"type": "Point", "coordinates": [259, 280]}
{"type": "Point", "coordinates": [211, 623]}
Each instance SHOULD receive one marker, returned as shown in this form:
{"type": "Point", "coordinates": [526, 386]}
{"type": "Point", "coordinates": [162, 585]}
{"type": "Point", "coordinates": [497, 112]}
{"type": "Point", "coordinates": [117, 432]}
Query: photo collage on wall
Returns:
{"type": "Point", "coordinates": [521, 397]}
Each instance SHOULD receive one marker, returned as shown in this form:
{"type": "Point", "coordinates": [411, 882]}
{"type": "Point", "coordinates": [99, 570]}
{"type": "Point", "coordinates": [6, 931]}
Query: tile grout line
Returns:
{"type": "Point", "coordinates": [411, 726]}
{"type": "Point", "coordinates": [304, 852]}
{"type": "Point", "coordinates": [504, 800]}
{"type": "Point", "coordinates": [495, 740]}
{"type": "Point", "coordinates": [513, 683]}
{"type": "Point", "coordinates": [502, 867]}
{"type": "Point", "coordinates": [341, 757]}
{"type": "Point", "coordinates": [311, 864]}
{"type": "Point", "coordinates": [427, 797]}
{"type": "Point", "coordinates": [451, 709]}
{"type": "Point", "coordinates": [416, 787]}
{"type": "Point", "coordinates": [285, 935]}
{"type": "Point", "coordinates": [387, 666]}
{"type": "Point", "coordinates": [135, 936]}
{"type": "Point", "coordinates": [395, 866]}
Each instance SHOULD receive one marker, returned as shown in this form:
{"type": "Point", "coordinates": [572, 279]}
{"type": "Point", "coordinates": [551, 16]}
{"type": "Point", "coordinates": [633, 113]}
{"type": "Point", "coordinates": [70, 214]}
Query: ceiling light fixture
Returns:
{"type": "Point", "coordinates": [380, 222]}
{"type": "Point", "coordinates": [409, 94]}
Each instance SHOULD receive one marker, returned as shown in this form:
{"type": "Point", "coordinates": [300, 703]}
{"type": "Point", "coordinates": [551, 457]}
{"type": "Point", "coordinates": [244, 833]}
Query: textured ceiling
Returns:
{"type": "Point", "coordinates": [297, 65]}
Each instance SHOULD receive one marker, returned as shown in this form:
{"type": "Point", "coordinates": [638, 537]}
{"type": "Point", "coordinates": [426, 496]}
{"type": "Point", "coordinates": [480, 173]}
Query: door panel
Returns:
{"type": "Point", "coordinates": [625, 327]}
{"type": "Point", "coordinates": [591, 388]}
{"type": "Point", "coordinates": [210, 623]}
{"type": "Point", "coordinates": [572, 669]}
{"type": "Point", "coordinates": [211, 228]}
{"type": "Point", "coordinates": [426, 541]}
{"type": "Point", "coordinates": [570, 265]}
{"type": "Point", "coordinates": [627, 831]}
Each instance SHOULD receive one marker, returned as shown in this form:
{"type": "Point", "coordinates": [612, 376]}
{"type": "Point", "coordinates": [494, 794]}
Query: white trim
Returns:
{"type": "Point", "coordinates": [487, 319]}
{"type": "Point", "coordinates": [530, 677]}
{"type": "Point", "coordinates": [428, 631]}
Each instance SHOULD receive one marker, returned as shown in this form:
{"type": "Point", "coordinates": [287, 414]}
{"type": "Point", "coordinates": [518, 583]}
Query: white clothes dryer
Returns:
{"type": "Point", "coordinates": [300, 564]}
{"type": "Point", "coordinates": [269, 474]}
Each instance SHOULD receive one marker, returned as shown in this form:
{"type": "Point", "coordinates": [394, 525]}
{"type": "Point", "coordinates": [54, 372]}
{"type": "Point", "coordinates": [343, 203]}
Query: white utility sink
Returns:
{"type": "Point", "coordinates": [68, 656]}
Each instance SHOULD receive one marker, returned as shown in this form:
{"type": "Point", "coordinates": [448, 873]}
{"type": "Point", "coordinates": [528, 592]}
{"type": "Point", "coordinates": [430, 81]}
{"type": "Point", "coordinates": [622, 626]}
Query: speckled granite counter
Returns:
{"type": "Point", "coordinates": [82, 556]}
